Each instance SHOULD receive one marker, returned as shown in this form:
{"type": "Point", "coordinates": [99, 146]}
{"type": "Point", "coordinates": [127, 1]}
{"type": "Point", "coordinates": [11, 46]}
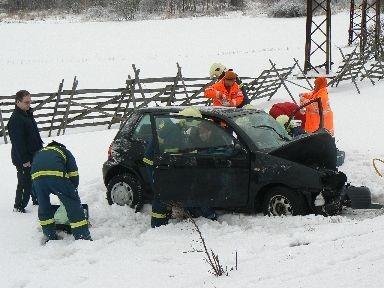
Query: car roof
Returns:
{"type": "Point", "coordinates": [226, 112]}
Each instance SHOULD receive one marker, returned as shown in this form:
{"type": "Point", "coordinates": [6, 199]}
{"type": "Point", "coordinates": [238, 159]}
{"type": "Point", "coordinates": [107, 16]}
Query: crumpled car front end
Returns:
{"type": "Point", "coordinates": [318, 151]}
{"type": "Point", "coordinates": [328, 201]}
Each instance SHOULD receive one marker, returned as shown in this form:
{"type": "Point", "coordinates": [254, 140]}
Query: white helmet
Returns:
{"type": "Point", "coordinates": [249, 106]}
{"type": "Point", "coordinates": [282, 119]}
{"type": "Point", "coordinates": [190, 112]}
{"type": "Point", "coordinates": [216, 70]}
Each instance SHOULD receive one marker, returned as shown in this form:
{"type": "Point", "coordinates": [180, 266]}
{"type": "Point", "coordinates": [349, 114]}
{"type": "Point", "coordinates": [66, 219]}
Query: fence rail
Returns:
{"type": "Point", "coordinates": [62, 109]}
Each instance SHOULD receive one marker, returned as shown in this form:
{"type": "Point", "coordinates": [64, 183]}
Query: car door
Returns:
{"type": "Point", "coordinates": [213, 173]}
{"type": "Point", "coordinates": [137, 144]}
{"type": "Point", "coordinates": [129, 144]}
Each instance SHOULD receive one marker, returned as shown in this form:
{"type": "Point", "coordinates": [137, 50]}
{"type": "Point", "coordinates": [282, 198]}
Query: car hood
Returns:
{"type": "Point", "coordinates": [315, 150]}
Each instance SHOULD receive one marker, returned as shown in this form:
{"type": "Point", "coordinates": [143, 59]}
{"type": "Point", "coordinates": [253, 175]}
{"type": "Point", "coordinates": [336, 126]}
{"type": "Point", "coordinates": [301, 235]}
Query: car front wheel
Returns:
{"type": "Point", "coordinates": [281, 201]}
{"type": "Point", "coordinates": [124, 189]}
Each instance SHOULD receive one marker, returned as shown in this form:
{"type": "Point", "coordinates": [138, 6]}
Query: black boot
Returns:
{"type": "Point", "coordinates": [18, 209]}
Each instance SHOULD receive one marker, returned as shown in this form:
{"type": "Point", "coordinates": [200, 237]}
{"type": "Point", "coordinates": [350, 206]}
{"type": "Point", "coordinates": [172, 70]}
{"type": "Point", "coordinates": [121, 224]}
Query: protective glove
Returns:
{"type": "Point", "coordinates": [219, 95]}
{"type": "Point", "coordinates": [295, 123]}
{"type": "Point", "coordinates": [27, 164]}
{"type": "Point", "coordinates": [226, 103]}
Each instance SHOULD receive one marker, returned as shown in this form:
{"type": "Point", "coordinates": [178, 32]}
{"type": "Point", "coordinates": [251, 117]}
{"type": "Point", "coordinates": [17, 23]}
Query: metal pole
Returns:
{"type": "Point", "coordinates": [328, 52]}
{"type": "Point", "coordinates": [351, 17]}
{"type": "Point", "coordinates": [363, 33]}
{"type": "Point", "coordinates": [377, 31]}
{"type": "Point", "coordinates": [308, 25]}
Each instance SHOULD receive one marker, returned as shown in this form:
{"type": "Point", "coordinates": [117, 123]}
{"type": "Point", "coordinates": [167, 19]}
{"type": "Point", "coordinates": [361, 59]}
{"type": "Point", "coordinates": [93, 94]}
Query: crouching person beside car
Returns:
{"type": "Point", "coordinates": [160, 211]}
{"type": "Point", "coordinates": [168, 133]}
{"type": "Point", "coordinates": [54, 171]}
{"type": "Point", "coordinates": [172, 139]}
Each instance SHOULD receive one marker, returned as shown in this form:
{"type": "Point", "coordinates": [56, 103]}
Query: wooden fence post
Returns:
{"type": "Point", "coordinates": [131, 83]}
{"type": "Point", "coordinates": [173, 88]}
{"type": "Point", "coordinates": [73, 92]}
{"type": "Point", "coordinates": [346, 69]}
{"type": "Point", "coordinates": [123, 94]}
{"type": "Point", "coordinates": [254, 86]}
{"type": "Point", "coordinates": [282, 79]}
{"type": "Point", "coordinates": [56, 104]}
{"type": "Point", "coordinates": [154, 98]}
{"type": "Point", "coordinates": [194, 95]}
{"type": "Point", "coordinates": [302, 72]}
{"type": "Point", "coordinates": [380, 70]}
{"type": "Point", "coordinates": [182, 81]}
{"type": "Point", "coordinates": [137, 80]}
{"type": "Point", "coordinates": [3, 127]}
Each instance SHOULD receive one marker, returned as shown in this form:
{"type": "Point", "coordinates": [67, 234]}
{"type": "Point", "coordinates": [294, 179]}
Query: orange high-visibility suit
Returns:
{"type": "Point", "coordinates": [219, 94]}
{"type": "Point", "coordinates": [312, 117]}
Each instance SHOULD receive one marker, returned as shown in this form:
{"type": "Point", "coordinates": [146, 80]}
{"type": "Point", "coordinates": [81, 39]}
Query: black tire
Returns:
{"type": "Point", "coordinates": [125, 189]}
{"type": "Point", "coordinates": [279, 201]}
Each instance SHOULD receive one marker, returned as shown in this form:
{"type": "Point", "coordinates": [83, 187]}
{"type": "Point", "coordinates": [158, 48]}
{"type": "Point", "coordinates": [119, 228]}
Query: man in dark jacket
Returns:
{"type": "Point", "coordinates": [26, 141]}
{"type": "Point", "coordinates": [54, 171]}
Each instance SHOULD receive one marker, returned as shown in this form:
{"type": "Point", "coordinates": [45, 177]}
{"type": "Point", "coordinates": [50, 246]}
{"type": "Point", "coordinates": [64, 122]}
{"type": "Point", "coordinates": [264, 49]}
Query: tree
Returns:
{"type": "Point", "coordinates": [126, 8]}
{"type": "Point", "coordinates": [236, 3]}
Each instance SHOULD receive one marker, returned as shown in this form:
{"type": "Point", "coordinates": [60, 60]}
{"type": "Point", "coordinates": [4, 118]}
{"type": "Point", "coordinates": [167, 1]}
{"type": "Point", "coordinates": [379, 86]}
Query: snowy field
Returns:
{"type": "Point", "coordinates": [310, 251]}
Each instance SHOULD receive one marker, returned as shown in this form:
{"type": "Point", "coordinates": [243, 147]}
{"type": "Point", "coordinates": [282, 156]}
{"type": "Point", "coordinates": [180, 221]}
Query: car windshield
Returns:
{"type": "Point", "coordinates": [263, 129]}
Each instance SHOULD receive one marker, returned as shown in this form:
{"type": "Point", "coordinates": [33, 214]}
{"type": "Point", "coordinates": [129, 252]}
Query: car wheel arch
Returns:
{"type": "Point", "coordinates": [125, 189]}
{"type": "Point", "coordinates": [118, 169]}
{"type": "Point", "coordinates": [260, 195]}
{"type": "Point", "coordinates": [284, 200]}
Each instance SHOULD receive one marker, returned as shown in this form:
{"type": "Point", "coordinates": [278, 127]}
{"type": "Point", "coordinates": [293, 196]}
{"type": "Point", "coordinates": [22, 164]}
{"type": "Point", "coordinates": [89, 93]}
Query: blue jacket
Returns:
{"type": "Point", "coordinates": [55, 161]}
{"type": "Point", "coordinates": [24, 135]}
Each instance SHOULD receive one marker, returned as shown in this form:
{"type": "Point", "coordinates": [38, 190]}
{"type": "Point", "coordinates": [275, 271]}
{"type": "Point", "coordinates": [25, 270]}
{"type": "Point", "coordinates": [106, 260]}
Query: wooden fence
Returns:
{"type": "Point", "coordinates": [55, 112]}
{"type": "Point", "coordinates": [357, 66]}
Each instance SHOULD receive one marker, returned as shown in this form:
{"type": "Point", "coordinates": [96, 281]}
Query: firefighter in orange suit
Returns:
{"type": "Point", "coordinates": [225, 92]}
{"type": "Point", "coordinates": [312, 117]}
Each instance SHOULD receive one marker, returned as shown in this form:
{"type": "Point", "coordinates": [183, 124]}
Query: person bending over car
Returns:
{"type": "Point", "coordinates": [312, 117]}
{"type": "Point", "coordinates": [169, 137]}
{"type": "Point", "coordinates": [217, 71]}
{"type": "Point", "coordinates": [225, 92]}
{"type": "Point", "coordinates": [54, 171]}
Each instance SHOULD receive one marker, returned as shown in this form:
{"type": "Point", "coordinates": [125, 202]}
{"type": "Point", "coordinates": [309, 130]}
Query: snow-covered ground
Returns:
{"type": "Point", "coordinates": [310, 251]}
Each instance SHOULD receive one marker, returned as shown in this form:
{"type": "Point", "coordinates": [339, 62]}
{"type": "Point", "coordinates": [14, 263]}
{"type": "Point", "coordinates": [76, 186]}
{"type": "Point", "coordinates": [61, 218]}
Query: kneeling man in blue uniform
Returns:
{"type": "Point", "coordinates": [54, 170]}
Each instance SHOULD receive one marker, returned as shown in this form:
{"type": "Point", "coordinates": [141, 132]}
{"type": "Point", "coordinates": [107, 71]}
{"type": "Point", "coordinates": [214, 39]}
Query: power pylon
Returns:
{"type": "Point", "coordinates": [363, 15]}
{"type": "Point", "coordinates": [318, 35]}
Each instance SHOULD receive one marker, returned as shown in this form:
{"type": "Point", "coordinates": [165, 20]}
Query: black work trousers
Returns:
{"type": "Point", "coordinates": [24, 188]}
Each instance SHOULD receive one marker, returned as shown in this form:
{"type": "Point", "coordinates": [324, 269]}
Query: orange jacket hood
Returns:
{"type": "Point", "coordinates": [320, 82]}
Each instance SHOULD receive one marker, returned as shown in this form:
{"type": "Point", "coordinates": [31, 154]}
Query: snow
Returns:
{"type": "Point", "coordinates": [308, 251]}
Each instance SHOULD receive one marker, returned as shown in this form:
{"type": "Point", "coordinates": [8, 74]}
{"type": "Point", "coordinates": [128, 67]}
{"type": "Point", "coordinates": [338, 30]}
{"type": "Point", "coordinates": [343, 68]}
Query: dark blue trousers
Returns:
{"type": "Point", "coordinates": [161, 213]}
{"type": "Point", "coordinates": [68, 195]}
{"type": "Point", "coordinates": [24, 187]}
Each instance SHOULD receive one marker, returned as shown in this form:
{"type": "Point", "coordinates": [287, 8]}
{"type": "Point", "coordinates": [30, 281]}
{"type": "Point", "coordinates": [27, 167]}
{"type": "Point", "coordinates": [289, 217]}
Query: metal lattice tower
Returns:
{"type": "Point", "coordinates": [355, 17]}
{"type": "Point", "coordinates": [318, 35]}
{"type": "Point", "coordinates": [365, 14]}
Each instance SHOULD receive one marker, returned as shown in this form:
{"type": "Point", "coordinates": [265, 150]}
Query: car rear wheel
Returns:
{"type": "Point", "coordinates": [125, 189]}
{"type": "Point", "coordinates": [281, 201]}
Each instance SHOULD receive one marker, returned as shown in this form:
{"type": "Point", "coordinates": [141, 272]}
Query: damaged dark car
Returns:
{"type": "Point", "coordinates": [252, 165]}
